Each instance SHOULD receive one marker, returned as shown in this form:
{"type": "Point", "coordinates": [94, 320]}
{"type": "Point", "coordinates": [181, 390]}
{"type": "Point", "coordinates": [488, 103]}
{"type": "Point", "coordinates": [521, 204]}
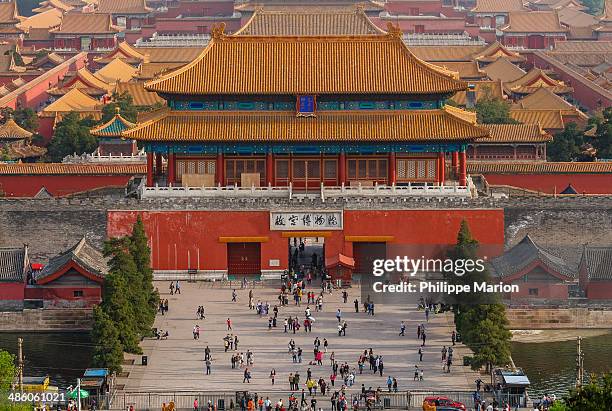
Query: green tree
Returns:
{"type": "Point", "coordinates": [140, 252]}
{"type": "Point", "coordinates": [108, 351]}
{"type": "Point", "coordinates": [7, 370]}
{"type": "Point", "coordinates": [492, 110]}
{"type": "Point", "coordinates": [594, 396]}
{"type": "Point", "coordinates": [125, 103]}
{"type": "Point", "coordinates": [479, 318]}
{"type": "Point", "coordinates": [24, 117]}
{"type": "Point", "coordinates": [71, 136]}
{"type": "Point", "coordinates": [603, 134]}
{"type": "Point", "coordinates": [595, 7]}
{"type": "Point", "coordinates": [566, 145]}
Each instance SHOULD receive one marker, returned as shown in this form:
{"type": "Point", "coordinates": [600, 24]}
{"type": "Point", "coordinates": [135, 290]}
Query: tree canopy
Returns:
{"type": "Point", "coordinates": [72, 136]}
{"type": "Point", "coordinates": [594, 396]}
{"type": "Point", "coordinates": [7, 370]}
{"type": "Point", "coordinates": [125, 103]}
{"type": "Point", "coordinates": [492, 110]}
{"type": "Point", "coordinates": [479, 318]}
{"type": "Point", "coordinates": [129, 303]}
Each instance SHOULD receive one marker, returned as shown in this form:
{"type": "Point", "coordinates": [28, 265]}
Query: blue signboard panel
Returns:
{"type": "Point", "coordinates": [306, 104]}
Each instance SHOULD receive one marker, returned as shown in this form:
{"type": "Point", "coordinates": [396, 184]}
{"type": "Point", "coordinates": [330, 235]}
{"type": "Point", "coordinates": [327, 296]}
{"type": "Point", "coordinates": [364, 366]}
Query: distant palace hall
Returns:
{"type": "Point", "coordinates": [307, 111]}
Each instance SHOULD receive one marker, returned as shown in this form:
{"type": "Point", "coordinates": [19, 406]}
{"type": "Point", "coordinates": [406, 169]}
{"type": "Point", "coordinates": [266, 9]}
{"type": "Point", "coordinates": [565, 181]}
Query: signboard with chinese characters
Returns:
{"type": "Point", "coordinates": [306, 220]}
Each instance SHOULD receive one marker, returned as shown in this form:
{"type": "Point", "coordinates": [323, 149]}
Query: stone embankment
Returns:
{"type": "Point", "coordinates": [533, 318]}
{"type": "Point", "coordinates": [64, 320]}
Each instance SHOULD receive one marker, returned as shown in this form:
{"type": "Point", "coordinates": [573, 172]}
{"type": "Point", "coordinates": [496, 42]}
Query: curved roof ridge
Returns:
{"type": "Point", "coordinates": [426, 77]}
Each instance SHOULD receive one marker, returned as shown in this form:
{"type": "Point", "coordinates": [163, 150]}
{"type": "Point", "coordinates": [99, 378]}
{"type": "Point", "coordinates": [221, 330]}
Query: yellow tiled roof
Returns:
{"type": "Point", "coordinates": [447, 53]}
{"type": "Point", "coordinates": [504, 70]}
{"type": "Point", "coordinates": [535, 79]}
{"type": "Point", "coordinates": [498, 6]}
{"type": "Point", "coordinates": [538, 168]}
{"type": "Point", "coordinates": [548, 119]}
{"type": "Point", "coordinates": [91, 80]}
{"type": "Point", "coordinates": [309, 23]}
{"type": "Point", "coordinates": [314, 65]}
{"type": "Point", "coordinates": [353, 126]}
{"type": "Point", "coordinates": [125, 52]}
{"type": "Point", "coordinates": [140, 96]}
{"type": "Point", "coordinates": [465, 69]}
{"type": "Point", "coordinates": [291, 5]}
{"type": "Point", "coordinates": [123, 6]}
{"type": "Point", "coordinates": [58, 4]}
{"type": "Point", "coordinates": [148, 71]}
{"type": "Point", "coordinates": [9, 13]}
{"type": "Point", "coordinates": [45, 20]}
{"type": "Point", "coordinates": [74, 100]}
{"type": "Point", "coordinates": [496, 50]}
{"type": "Point", "coordinates": [83, 23]}
{"type": "Point", "coordinates": [482, 89]}
{"type": "Point", "coordinates": [10, 130]}
{"type": "Point", "coordinates": [544, 98]}
{"type": "Point", "coordinates": [70, 168]}
{"type": "Point", "coordinates": [534, 22]}
{"type": "Point", "coordinates": [116, 71]}
{"type": "Point", "coordinates": [170, 54]}
{"type": "Point", "coordinates": [515, 133]}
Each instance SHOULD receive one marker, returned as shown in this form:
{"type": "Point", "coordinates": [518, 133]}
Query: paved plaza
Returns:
{"type": "Point", "coordinates": [177, 363]}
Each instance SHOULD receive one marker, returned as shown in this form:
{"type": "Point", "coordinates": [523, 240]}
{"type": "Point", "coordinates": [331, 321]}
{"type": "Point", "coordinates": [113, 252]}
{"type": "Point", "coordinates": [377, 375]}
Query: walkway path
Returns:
{"type": "Point", "coordinates": [177, 363]}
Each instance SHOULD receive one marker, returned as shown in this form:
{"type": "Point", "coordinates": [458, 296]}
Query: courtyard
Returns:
{"type": "Point", "coordinates": [177, 363]}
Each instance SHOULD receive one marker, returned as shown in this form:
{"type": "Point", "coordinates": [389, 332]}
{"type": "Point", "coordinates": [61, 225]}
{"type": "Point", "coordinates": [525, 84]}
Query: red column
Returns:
{"type": "Point", "coordinates": [171, 168]}
{"type": "Point", "coordinates": [392, 175]}
{"type": "Point", "coordinates": [342, 169]}
{"type": "Point", "coordinates": [219, 168]}
{"type": "Point", "coordinates": [462, 169]}
{"type": "Point", "coordinates": [269, 169]}
{"type": "Point", "coordinates": [455, 163]}
{"type": "Point", "coordinates": [442, 161]}
{"type": "Point", "coordinates": [149, 169]}
{"type": "Point", "coordinates": [158, 163]}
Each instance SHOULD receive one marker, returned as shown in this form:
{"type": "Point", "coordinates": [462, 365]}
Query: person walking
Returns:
{"type": "Point", "coordinates": [177, 287]}
{"type": "Point", "coordinates": [234, 295]}
{"type": "Point", "coordinates": [454, 337]}
{"type": "Point", "coordinates": [229, 324]}
{"type": "Point", "coordinates": [339, 315]}
{"type": "Point", "coordinates": [356, 302]}
{"type": "Point", "coordinates": [272, 375]}
{"type": "Point", "coordinates": [402, 329]}
{"type": "Point", "coordinates": [420, 354]}
{"type": "Point", "coordinates": [208, 366]}
{"type": "Point", "coordinates": [247, 376]}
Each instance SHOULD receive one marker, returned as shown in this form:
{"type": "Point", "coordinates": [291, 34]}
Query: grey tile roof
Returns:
{"type": "Point", "coordinates": [82, 253]}
{"type": "Point", "coordinates": [14, 264]}
{"type": "Point", "coordinates": [526, 252]}
{"type": "Point", "coordinates": [598, 261]}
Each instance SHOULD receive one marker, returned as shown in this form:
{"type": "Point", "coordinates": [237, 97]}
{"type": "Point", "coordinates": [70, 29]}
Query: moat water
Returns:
{"type": "Point", "coordinates": [61, 356]}
{"type": "Point", "coordinates": [551, 366]}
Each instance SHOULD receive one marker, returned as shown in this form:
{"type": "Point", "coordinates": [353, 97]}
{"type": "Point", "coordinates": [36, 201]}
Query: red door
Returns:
{"type": "Point", "coordinates": [364, 255]}
{"type": "Point", "coordinates": [243, 258]}
{"type": "Point", "coordinates": [536, 41]}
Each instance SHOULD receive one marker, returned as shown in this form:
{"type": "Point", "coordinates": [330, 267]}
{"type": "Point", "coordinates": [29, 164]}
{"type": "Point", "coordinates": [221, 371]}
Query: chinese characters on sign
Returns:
{"type": "Point", "coordinates": [306, 104]}
{"type": "Point", "coordinates": [316, 220]}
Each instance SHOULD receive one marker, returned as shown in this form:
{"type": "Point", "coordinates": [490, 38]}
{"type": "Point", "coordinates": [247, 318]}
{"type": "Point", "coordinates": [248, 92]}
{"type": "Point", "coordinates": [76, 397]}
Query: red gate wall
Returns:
{"type": "Point", "coordinates": [182, 239]}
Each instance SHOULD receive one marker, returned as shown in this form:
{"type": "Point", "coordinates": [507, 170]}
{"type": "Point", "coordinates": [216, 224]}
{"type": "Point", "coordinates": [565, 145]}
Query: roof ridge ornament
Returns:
{"type": "Point", "coordinates": [394, 30]}
{"type": "Point", "coordinates": [218, 30]}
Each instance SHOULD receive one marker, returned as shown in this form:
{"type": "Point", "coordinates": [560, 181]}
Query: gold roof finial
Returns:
{"type": "Point", "coordinates": [394, 30]}
{"type": "Point", "coordinates": [117, 110]}
{"type": "Point", "coordinates": [218, 30]}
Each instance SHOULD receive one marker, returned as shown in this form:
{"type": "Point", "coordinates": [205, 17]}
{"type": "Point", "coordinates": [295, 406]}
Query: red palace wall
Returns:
{"type": "Point", "coordinates": [551, 183]}
{"type": "Point", "coordinates": [599, 290]}
{"type": "Point", "coordinates": [546, 291]}
{"type": "Point", "coordinates": [12, 291]}
{"type": "Point", "coordinates": [190, 239]}
{"type": "Point", "coordinates": [57, 185]}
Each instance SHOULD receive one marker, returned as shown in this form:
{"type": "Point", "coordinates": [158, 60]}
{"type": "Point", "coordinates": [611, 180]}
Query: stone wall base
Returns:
{"type": "Point", "coordinates": [558, 318]}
